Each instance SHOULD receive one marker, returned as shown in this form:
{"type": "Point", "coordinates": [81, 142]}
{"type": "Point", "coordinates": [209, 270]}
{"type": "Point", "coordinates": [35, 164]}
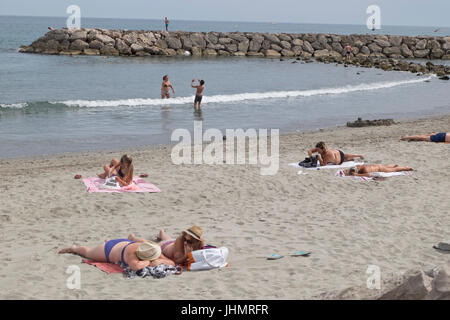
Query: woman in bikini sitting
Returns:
{"type": "Point", "coordinates": [135, 254]}
{"type": "Point", "coordinates": [367, 169]}
{"type": "Point", "coordinates": [189, 240]}
{"type": "Point", "coordinates": [165, 88]}
{"type": "Point", "coordinates": [431, 137]}
{"type": "Point", "coordinates": [328, 156]}
{"type": "Point", "coordinates": [122, 170]}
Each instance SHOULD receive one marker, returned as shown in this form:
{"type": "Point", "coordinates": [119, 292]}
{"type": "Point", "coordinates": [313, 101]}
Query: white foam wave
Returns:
{"type": "Point", "coordinates": [241, 96]}
{"type": "Point", "coordinates": [230, 97]}
{"type": "Point", "coordinates": [14, 105]}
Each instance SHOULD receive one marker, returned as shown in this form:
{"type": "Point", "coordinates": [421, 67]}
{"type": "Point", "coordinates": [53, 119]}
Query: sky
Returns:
{"type": "Point", "coordinates": [393, 12]}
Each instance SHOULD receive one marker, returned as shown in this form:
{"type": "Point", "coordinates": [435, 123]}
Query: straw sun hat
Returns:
{"type": "Point", "coordinates": [148, 251]}
{"type": "Point", "coordinates": [195, 232]}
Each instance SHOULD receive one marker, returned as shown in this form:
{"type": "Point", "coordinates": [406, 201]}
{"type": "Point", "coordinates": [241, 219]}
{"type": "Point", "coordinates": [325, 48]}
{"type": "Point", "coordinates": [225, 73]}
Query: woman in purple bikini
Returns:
{"type": "Point", "coordinates": [177, 249]}
{"type": "Point", "coordinates": [135, 254]}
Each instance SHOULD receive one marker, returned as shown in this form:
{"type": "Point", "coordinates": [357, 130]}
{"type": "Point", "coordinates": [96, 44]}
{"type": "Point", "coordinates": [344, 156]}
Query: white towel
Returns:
{"type": "Point", "coordinates": [346, 164]}
{"type": "Point", "coordinates": [340, 173]}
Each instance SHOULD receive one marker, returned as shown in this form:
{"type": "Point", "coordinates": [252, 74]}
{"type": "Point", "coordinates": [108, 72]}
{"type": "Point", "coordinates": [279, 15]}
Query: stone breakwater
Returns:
{"type": "Point", "coordinates": [381, 51]}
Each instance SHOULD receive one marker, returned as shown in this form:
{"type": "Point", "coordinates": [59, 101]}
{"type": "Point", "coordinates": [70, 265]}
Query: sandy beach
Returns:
{"type": "Point", "coordinates": [346, 224]}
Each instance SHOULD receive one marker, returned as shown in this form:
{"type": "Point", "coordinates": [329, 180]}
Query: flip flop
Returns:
{"type": "Point", "coordinates": [78, 176]}
{"type": "Point", "coordinates": [144, 175]}
{"type": "Point", "coordinates": [274, 257]}
{"type": "Point", "coordinates": [301, 254]}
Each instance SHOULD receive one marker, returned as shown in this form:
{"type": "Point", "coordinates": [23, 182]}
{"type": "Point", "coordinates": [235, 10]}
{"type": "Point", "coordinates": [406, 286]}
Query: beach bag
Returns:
{"type": "Point", "coordinates": [111, 183]}
{"type": "Point", "coordinates": [207, 259]}
{"type": "Point", "coordinates": [310, 162]}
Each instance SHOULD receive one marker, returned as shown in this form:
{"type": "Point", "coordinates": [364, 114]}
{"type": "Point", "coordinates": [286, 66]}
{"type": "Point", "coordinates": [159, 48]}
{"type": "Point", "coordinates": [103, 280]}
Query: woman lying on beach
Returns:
{"type": "Point", "coordinates": [367, 169]}
{"type": "Point", "coordinates": [135, 254]}
{"type": "Point", "coordinates": [122, 170]}
{"type": "Point", "coordinates": [431, 137]}
{"type": "Point", "coordinates": [189, 240]}
{"type": "Point", "coordinates": [328, 156]}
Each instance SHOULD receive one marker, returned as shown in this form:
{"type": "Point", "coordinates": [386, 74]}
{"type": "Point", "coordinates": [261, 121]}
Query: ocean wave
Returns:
{"type": "Point", "coordinates": [223, 98]}
{"type": "Point", "coordinates": [240, 96]}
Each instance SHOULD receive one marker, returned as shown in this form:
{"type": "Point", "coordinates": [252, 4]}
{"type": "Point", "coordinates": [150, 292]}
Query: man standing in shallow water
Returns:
{"type": "Point", "coordinates": [198, 93]}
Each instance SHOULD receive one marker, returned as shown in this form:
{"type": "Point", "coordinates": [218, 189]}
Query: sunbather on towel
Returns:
{"type": "Point", "coordinates": [328, 156]}
{"type": "Point", "coordinates": [122, 170]}
{"type": "Point", "coordinates": [134, 254]}
{"type": "Point", "coordinates": [189, 240]}
{"type": "Point", "coordinates": [367, 169]}
{"type": "Point", "coordinates": [431, 137]}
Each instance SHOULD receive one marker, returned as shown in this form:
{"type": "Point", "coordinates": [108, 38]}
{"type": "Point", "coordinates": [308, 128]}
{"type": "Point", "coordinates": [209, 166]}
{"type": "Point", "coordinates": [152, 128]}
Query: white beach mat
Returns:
{"type": "Point", "coordinates": [346, 164]}
{"type": "Point", "coordinates": [340, 173]}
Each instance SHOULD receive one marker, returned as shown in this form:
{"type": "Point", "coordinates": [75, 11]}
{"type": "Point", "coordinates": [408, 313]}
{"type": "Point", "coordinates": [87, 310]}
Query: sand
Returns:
{"type": "Point", "coordinates": [346, 224]}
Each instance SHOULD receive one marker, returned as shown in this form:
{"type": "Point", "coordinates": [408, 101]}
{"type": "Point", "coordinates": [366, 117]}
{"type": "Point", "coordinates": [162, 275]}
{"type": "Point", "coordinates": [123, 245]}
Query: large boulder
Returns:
{"type": "Point", "coordinates": [395, 41]}
{"type": "Point", "coordinates": [364, 50]}
{"type": "Point", "coordinates": [109, 50]}
{"type": "Point", "coordinates": [382, 43]}
{"type": "Point", "coordinates": [272, 53]}
{"type": "Point", "coordinates": [276, 47]}
{"type": "Point", "coordinates": [79, 35]}
{"type": "Point", "coordinates": [422, 44]}
{"type": "Point", "coordinates": [307, 47]}
{"type": "Point", "coordinates": [287, 53]}
{"type": "Point", "coordinates": [122, 47]}
{"type": "Point", "coordinates": [231, 47]}
{"type": "Point", "coordinates": [78, 45]}
{"type": "Point", "coordinates": [285, 45]}
{"type": "Point", "coordinates": [320, 54]}
{"type": "Point", "coordinates": [392, 50]}
{"type": "Point", "coordinates": [136, 48]}
{"type": "Point", "coordinates": [272, 38]}
{"type": "Point", "coordinates": [186, 42]}
{"type": "Point", "coordinates": [297, 42]}
{"type": "Point", "coordinates": [209, 52]}
{"type": "Point", "coordinates": [406, 52]}
{"type": "Point", "coordinates": [254, 46]}
{"type": "Point", "coordinates": [198, 40]}
{"type": "Point", "coordinates": [436, 53]}
{"type": "Point", "coordinates": [104, 39]}
{"type": "Point", "coordinates": [243, 45]}
{"type": "Point", "coordinates": [174, 43]}
{"type": "Point", "coordinates": [96, 44]}
{"type": "Point", "coordinates": [421, 53]}
{"type": "Point", "coordinates": [375, 47]}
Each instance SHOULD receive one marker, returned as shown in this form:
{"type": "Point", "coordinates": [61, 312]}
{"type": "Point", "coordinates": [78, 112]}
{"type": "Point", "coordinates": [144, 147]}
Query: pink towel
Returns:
{"type": "Point", "coordinates": [105, 266]}
{"type": "Point", "coordinates": [94, 184]}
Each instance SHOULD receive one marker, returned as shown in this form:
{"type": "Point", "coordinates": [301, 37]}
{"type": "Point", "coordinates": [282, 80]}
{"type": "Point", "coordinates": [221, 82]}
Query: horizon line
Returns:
{"type": "Point", "coordinates": [233, 21]}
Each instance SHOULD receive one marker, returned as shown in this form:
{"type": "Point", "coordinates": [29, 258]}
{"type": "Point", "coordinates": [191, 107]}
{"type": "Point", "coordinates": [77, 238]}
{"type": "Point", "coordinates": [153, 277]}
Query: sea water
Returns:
{"type": "Point", "coordinates": [55, 104]}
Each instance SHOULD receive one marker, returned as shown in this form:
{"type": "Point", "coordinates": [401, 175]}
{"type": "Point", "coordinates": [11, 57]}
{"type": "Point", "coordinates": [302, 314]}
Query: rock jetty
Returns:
{"type": "Point", "coordinates": [367, 123]}
{"type": "Point", "coordinates": [386, 52]}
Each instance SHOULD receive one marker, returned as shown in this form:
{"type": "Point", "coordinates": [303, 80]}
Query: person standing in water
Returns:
{"type": "Point", "coordinates": [165, 87]}
{"type": "Point", "coordinates": [198, 93]}
{"type": "Point", "coordinates": [348, 51]}
{"type": "Point", "coordinates": [166, 21]}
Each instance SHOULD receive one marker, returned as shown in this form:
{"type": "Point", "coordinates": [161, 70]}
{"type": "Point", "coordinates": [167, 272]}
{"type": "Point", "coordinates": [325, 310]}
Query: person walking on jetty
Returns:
{"type": "Point", "coordinates": [165, 88]}
{"type": "Point", "coordinates": [166, 21]}
{"type": "Point", "coordinates": [198, 93]}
